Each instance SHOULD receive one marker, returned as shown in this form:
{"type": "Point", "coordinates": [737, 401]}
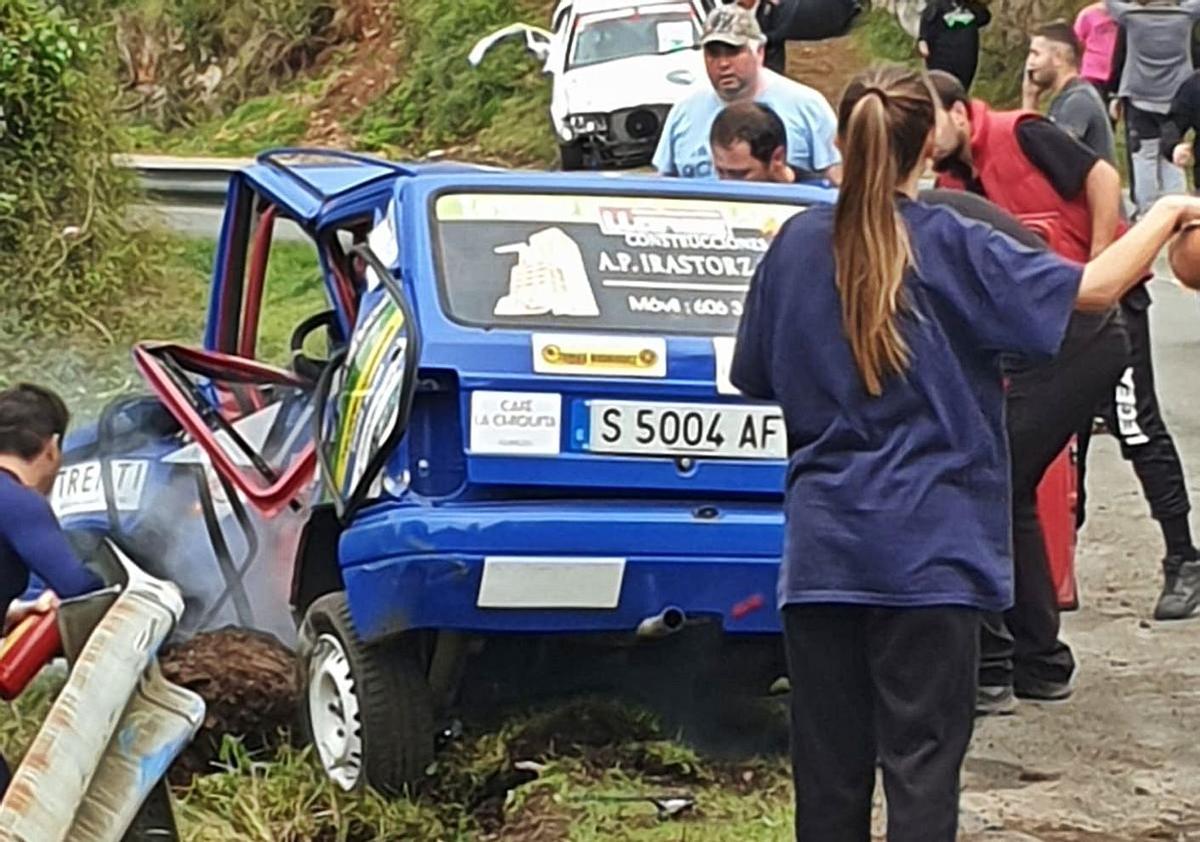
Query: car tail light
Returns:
{"type": "Point", "coordinates": [437, 458]}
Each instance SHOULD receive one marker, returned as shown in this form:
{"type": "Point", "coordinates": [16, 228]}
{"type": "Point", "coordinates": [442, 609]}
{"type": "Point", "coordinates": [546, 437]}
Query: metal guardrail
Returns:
{"type": "Point", "coordinates": [183, 181]}
{"type": "Point", "coordinates": [201, 181]}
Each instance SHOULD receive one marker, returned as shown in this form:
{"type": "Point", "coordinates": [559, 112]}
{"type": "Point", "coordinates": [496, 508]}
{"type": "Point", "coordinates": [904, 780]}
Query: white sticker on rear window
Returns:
{"type": "Point", "coordinates": [516, 423]}
{"type": "Point", "coordinates": [548, 277]}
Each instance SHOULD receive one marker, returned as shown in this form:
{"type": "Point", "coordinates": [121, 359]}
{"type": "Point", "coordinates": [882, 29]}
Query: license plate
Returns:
{"type": "Point", "coordinates": [80, 487]}
{"type": "Point", "coordinates": [539, 582]}
{"type": "Point", "coordinates": [687, 429]}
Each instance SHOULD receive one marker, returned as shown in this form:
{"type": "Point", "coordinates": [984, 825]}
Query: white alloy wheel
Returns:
{"type": "Point", "coordinates": [334, 712]}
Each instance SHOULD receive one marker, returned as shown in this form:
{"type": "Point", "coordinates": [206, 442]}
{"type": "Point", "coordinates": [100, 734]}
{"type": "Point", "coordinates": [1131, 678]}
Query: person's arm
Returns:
{"type": "Point", "coordinates": [1115, 70]}
{"type": "Point", "coordinates": [983, 15]}
{"type": "Point", "coordinates": [1120, 51]}
{"type": "Point", "coordinates": [35, 535]}
{"type": "Point", "coordinates": [1107, 277]}
{"type": "Point", "coordinates": [18, 610]}
{"type": "Point", "coordinates": [1073, 117]}
{"type": "Point", "coordinates": [927, 32]}
{"type": "Point", "coordinates": [1103, 188]}
{"type": "Point", "coordinates": [816, 128]}
{"type": "Point", "coordinates": [1118, 9]}
{"type": "Point", "coordinates": [750, 370]}
{"type": "Point", "coordinates": [1015, 299]}
{"type": "Point", "coordinates": [664, 156]}
{"type": "Point", "coordinates": [1083, 26]}
{"type": "Point", "coordinates": [1074, 169]}
{"type": "Point", "coordinates": [1030, 92]}
{"type": "Point", "coordinates": [1183, 117]}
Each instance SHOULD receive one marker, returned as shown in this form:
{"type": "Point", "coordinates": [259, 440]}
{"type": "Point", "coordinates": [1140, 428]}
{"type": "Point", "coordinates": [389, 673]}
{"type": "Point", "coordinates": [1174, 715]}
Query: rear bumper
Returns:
{"type": "Point", "coordinates": [721, 568]}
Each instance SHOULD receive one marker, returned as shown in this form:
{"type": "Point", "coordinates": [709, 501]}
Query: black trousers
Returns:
{"type": "Point", "coordinates": [1133, 415]}
{"type": "Point", "coordinates": [775, 57]}
{"type": "Point", "coordinates": [1046, 406]}
{"type": "Point", "coordinates": [889, 685]}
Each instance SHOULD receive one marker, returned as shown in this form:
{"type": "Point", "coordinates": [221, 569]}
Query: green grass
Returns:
{"type": "Point", "coordinates": [279, 119]}
{"type": "Point", "coordinates": [883, 39]}
{"type": "Point", "coordinates": [587, 791]}
{"type": "Point", "coordinates": [294, 291]}
{"type": "Point", "coordinates": [497, 112]}
{"type": "Point", "coordinates": [94, 366]}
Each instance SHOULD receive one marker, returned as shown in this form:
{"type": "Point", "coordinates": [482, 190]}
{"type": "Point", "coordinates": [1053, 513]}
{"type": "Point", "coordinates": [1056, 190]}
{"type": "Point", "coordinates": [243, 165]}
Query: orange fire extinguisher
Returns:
{"type": "Point", "coordinates": [25, 650]}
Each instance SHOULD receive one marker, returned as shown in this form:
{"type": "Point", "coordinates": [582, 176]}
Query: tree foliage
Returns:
{"type": "Point", "coordinates": [184, 61]}
{"type": "Point", "coordinates": [64, 249]}
{"type": "Point", "coordinates": [441, 100]}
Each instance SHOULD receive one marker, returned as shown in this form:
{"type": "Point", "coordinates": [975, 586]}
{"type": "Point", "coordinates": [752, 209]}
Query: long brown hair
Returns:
{"type": "Point", "coordinates": [884, 121]}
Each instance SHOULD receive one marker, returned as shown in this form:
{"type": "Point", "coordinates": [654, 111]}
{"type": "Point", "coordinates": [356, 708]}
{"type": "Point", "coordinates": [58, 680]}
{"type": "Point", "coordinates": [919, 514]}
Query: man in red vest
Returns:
{"type": "Point", "coordinates": [1072, 199]}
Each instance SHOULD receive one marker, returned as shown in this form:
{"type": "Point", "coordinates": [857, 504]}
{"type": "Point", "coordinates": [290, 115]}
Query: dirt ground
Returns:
{"type": "Point", "coordinates": [1120, 760]}
{"type": "Point", "coordinates": [366, 73]}
{"type": "Point", "coordinates": [825, 65]}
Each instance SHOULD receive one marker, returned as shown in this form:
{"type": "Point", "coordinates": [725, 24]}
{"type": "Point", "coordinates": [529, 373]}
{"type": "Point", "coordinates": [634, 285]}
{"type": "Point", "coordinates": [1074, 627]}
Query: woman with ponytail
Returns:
{"type": "Point", "coordinates": [878, 325]}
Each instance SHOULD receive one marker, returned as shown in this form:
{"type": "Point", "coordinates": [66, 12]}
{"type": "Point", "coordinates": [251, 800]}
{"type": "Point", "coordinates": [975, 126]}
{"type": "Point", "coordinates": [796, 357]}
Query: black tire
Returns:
{"type": "Point", "coordinates": [571, 156]}
{"type": "Point", "coordinates": [395, 705]}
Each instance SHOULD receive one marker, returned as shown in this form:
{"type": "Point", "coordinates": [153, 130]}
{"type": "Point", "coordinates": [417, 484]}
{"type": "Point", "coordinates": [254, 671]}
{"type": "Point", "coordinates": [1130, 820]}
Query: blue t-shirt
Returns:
{"type": "Point", "coordinates": [684, 150]}
{"type": "Point", "coordinates": [31, 540]}
{"type": "Point", "coordinates": [900, 500]}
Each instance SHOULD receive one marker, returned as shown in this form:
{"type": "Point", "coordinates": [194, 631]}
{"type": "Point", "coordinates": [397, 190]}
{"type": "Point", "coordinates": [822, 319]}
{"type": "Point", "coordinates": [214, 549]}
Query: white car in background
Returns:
{"type": "Point", "coordinates": [617, 66]}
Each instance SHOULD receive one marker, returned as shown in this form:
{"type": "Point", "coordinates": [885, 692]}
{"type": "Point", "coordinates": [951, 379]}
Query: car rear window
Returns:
{"type": "Point", "coordinates": [617, 263]}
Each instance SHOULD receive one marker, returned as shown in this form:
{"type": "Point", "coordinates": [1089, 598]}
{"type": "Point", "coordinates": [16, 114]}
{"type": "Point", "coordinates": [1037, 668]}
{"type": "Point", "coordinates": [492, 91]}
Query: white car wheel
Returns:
{"type": "Point", "coordinates": [333, 711]}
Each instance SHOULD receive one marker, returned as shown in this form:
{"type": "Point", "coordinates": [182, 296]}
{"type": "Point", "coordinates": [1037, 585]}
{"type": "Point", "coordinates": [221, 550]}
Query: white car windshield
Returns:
{"type": "Point", "coordinates": [632, 31]}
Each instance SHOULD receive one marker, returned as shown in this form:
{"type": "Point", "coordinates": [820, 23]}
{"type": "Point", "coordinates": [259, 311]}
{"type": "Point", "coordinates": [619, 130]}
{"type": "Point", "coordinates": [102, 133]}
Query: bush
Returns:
{"type": "Point", "coordinates": [440, 100]}
{"type": "Point", "coordinates": [185, 61]}
{"type": "Point", "coordinates": [64, 251]}
{"type": "Point", "coordinates": [1006, 42]}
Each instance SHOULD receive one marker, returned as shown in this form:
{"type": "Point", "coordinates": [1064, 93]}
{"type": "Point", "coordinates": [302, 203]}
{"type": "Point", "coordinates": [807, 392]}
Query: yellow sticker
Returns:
{"type": "Point", "coordinates": [629, 356]}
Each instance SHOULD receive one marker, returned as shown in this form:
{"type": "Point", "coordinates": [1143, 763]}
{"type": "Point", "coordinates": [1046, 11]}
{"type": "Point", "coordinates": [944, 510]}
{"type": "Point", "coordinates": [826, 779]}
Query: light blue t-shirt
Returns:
{"type": "Point", "coordinates": [683, 150]}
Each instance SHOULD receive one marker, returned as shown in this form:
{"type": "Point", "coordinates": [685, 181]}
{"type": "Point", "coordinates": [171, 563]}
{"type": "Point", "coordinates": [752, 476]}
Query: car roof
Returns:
{"type": "Point", "coordinates": [304, 190]}
{"type": "Point", "coordinates": [304, 181]}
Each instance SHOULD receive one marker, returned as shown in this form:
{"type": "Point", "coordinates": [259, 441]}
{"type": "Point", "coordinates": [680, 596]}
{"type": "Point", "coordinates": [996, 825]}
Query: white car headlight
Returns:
{"type": "Point", "coordinates": [587, 123]}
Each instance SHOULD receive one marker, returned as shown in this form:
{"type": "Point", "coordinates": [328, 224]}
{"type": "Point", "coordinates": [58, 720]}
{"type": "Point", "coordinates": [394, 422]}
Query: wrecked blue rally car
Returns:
{"type": "Point", "coordinates": [506, 424]}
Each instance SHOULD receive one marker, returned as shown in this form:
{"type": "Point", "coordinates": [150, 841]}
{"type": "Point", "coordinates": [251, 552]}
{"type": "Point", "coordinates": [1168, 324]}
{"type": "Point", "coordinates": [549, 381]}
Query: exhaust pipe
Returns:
{"type": "Point", "coordinates": [668, 621]}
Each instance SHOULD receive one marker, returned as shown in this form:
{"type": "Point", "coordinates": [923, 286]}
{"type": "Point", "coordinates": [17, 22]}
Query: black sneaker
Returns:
{"type": "Point", "coordinates": [995, 700]}
{"type": "Point", "coordinates": [1044, 690]}
{"type": "Point", "coordinates": [1180, 595]}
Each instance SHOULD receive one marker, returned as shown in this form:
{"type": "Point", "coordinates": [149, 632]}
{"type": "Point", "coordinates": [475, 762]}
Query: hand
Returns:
{"type": "Point", "coordinates": [1185, 209]}
{"type": "Point", "coordinates": [17, 612]}
{"type": "Point", "coordinates": [923, 49]}
{"type": "Point", "coordinates": [1114, 110]}
{"type": "Point", "coordinates": [1182, 155]}
{"type": "Point", "coordinates": [1030, 92]}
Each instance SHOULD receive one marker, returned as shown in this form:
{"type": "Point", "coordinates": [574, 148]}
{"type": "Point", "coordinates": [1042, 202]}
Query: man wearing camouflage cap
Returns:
{"type": "Point", "coordinates": [733, 55]}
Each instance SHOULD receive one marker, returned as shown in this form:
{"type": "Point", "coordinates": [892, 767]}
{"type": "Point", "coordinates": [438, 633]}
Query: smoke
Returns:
{"type": "Point", "coordinates": [233, 565]}
{"type": "Point", "coordinates": [232, 571]}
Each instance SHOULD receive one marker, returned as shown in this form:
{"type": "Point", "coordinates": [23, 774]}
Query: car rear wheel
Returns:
{"type": "Point", "coordinates": [368, 709]}
{"type": "Point", "coordinates": [571, 155]}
